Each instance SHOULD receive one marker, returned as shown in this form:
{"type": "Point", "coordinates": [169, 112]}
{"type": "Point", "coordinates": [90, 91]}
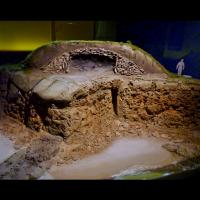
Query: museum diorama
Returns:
{"type": "Point", "coordinates": [93, 109]}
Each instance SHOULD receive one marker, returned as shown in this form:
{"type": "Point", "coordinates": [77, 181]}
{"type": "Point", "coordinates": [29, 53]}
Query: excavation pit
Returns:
{"type": "Point", "coordinates": [89, 95]}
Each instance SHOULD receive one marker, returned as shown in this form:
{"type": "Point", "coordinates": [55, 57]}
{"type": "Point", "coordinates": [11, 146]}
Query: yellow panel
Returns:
{"type": "Point", "coordinates": [74, 30]}
{"type": "Point", "coordinates": [24, 35]}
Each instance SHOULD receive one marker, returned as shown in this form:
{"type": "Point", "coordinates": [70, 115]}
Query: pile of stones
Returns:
{"type": "Point", "coordinates": [122, 65]}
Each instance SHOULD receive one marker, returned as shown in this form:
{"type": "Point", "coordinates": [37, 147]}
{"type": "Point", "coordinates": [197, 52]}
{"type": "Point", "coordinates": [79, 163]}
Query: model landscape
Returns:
{"type": "Point", "coordinates": [96, 110]}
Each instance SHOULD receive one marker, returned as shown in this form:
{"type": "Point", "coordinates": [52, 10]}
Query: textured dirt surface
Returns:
{"type": "Point", "coordinates": [31, 154]}
{"type": "Point", "coordinates": [57, 118]}
{"type": "Point", "coordinates": [43, 156]}
{"type": "Point", "coordinates": [124, 153]}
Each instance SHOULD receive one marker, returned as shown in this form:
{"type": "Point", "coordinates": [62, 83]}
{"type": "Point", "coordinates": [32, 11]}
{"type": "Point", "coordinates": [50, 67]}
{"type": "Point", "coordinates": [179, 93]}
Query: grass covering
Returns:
{"type": "Point", "coordinates": [145, 176]}
{"type": "Point", "coordinates": [128, 43]}
{"type": "Point", "coordinates": [183, 79]}
{"type": "Point", "coordinates": [172, 76]}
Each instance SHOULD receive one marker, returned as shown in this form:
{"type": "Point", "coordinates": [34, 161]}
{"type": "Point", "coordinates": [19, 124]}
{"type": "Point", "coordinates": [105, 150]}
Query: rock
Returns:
{"type": "Point", "coordinates": [184, 149]}
{"type": "Point", "coordinates": [117, 123]}
{"type": "Point", "coordinates": [143, 114]}
{"type": "Point", "coordinates": [46, 176]}
{"type": "Point", "coordinates": [26, 80]}
{"type": "Point", "coordinates": [137, 127]}
{"type": "Point", "coordinates": [155, 134]}
{"type": "Point", "coordinates": [164, 136]}
{"type": "Point", "coordinates": [170, 118]}
{"type": "Point", "coordinates": [43, 149]}
{"type": "Point", "coordinates": [153, 109]}
{"type": "Point", "coordinates": [31, 162]}
{"type": "Point", "coordinates": [171, 147]}
{"type": "Point", "coordinates": [89, 148]}
{"type": "Point", "coordinates": [117, 133]}
{"type": "Point", "coordinates": [108, 134]}
{"type": "Point", "coordinates": [125, 125]}
{"type": "Point", "coordinates": [178, 140]}
{"type": "Point", "coordinates": [59, 88]}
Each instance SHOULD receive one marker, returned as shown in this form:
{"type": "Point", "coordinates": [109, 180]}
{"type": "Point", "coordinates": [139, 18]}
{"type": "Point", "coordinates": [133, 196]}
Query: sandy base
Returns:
{"type": "Point", "coordinates": [123, 154]}
{"type": "Point", "coordinates": [127, 154]}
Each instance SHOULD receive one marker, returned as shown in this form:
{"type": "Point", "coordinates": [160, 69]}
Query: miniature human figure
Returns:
{"type": "Point", "coordinates": [180, 67]}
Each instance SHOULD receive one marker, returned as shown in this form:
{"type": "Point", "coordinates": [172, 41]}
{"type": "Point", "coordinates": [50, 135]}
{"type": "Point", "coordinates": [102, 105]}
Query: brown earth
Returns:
{"type": "Point", "coordinates": [87, 108]}
{"type": "Point", "coordinates": [38, 151]}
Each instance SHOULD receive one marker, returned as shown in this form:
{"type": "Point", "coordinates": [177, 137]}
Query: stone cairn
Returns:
{"type": "Point", "coordinates": [122, 66]}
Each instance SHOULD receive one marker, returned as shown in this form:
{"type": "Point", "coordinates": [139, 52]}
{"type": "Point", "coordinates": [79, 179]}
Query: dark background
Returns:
{"type": "Point", "coordinates": [167, 40]}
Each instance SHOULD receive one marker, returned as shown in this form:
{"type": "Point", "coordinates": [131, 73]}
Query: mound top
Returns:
{"type": "Point", "coordinates": [70, 56]}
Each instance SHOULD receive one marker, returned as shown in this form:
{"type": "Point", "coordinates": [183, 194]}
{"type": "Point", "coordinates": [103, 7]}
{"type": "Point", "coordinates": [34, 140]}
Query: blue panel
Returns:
{"type": "Point", "coordinates": [153, 36]}
{"type": "Point", "coordinates": [176, 36]}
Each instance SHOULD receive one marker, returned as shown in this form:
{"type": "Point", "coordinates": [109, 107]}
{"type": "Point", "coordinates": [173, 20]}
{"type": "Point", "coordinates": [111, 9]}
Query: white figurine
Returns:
{"type": "Point", "coordinates": [180, 67]}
